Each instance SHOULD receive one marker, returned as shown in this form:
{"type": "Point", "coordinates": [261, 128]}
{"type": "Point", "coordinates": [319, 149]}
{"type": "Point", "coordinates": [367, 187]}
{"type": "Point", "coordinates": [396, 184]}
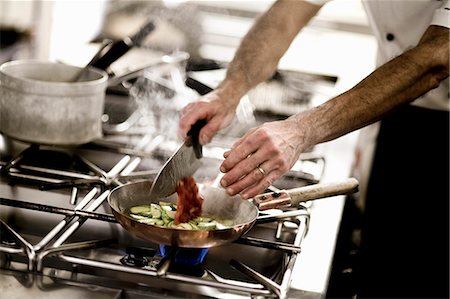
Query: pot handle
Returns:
{"type": "Point", "coordinates": [292, 197]}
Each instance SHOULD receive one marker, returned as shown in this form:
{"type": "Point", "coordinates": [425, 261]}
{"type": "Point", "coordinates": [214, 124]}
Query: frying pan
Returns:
{"type": "Point", "coordinates": [216, 204]}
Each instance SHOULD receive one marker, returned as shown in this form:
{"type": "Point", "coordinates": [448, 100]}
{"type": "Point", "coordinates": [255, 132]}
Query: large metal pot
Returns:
{"type": "Point", "coordinates": [40, 103]}
{"type": "Point", "coordinates": [216, 204]}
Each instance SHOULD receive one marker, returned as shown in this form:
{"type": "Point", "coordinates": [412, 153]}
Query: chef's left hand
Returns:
{"type": "Point", "coordinates": [261, 156]}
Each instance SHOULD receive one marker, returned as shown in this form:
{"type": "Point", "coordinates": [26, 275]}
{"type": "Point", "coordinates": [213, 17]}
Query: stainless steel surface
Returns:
{"type": "Point", "coordinates": [5, 146]}
{"type": "Point", "coordinates": [53, 247]}
{"type": "Point", "coordinates": [39, 104]}
{"type": "Point", "coordinates": [76, 251]}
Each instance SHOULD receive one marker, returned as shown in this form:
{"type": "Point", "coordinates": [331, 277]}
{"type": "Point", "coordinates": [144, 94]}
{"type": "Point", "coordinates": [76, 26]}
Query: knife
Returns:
{"type": "Point", "coordinates": [183, 163]}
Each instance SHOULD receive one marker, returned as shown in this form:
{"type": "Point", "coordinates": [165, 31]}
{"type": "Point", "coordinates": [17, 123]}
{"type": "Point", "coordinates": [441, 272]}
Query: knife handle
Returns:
{"type": "Point", "coordinates": [120, 47]}
{"type": "Point", "coordinates": [193, 133]}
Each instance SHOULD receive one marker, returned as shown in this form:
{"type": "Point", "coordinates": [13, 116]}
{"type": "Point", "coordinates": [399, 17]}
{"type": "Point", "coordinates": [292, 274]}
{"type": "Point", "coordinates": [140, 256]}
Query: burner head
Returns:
{"type": "Point", "coordinates": [134, 260]}
{"type": "Point", "coordinates": [185, 256]}
{"type": "Point", "coordinates": [137, 257]}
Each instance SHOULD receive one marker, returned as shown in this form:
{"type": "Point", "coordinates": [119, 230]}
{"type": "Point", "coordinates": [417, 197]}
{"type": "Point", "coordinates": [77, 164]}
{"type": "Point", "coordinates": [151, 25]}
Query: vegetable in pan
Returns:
{"type": "Point", "coordinates": [186, 214]}
{"type": "Point", "coordinates": [163, 214]}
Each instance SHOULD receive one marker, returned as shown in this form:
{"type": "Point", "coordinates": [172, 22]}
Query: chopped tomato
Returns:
{"type": "Point", "coordinates": [189, 202]}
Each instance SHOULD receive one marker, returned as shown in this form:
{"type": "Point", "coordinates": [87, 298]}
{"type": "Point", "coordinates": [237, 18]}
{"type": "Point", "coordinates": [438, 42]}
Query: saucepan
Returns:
{"type": "Point", "coordinates": [43, 102]}
{"type": "Point", "coordinates": [216, 204]}
{"type": "Point", "coordinates": [40, 103]}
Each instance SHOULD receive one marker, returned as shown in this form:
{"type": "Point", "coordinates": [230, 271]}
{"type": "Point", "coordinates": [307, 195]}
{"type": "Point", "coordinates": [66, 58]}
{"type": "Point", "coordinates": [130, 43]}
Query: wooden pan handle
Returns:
{"type": "Point", "coordinates": [322, 190]}
{"type": "Point", "coordinates": [293, 197]}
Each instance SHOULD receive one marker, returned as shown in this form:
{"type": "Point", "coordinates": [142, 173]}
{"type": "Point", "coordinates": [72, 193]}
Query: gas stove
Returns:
{"type": "Point", "coordinates": [59, 238]}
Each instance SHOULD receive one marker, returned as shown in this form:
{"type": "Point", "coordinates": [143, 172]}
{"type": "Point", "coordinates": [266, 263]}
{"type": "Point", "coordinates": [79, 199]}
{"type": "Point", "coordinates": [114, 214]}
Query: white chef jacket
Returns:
{"type": "Point", "coordinates": [398, 26]}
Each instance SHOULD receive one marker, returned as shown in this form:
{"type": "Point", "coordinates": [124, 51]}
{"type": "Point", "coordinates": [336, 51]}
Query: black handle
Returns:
{"type": "Point", "coordinates": [193, 133]}
{"type": "Point", "coordinates": [119, 48]}
{"type": "Point", "coordinates": [198, 86]}
{"type": "Point", "coordinates": [115, 51]}
{"type": "Point", "coordinates": [142, 33]}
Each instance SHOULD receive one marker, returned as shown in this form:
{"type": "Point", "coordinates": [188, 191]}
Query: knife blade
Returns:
{"type": "Point", "coordinates": [183, 163]}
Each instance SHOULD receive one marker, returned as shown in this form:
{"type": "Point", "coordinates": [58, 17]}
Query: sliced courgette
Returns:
{"type": "Point", "coordinates": [142, 209]}
{"type": "Point", "coordinates": [206, 225]}
{"type": "Point", "coordinates": [155, 211]}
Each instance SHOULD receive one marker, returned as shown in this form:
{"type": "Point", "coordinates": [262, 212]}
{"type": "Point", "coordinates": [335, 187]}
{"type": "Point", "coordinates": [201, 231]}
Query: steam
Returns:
{"type": "Point", "coordinates": [160, 94]}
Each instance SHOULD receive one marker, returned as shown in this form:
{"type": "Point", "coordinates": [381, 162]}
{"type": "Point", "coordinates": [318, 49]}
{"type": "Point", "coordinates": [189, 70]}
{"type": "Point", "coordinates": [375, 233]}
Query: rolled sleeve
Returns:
{"type": "Point", "coordinates": [442, 15]}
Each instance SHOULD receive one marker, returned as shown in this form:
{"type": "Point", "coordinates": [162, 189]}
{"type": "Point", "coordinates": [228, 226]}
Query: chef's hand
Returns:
{"type": "Point", "coordinates": [215, 107]}
{"type": "Point", "coordinates": [261, 156]}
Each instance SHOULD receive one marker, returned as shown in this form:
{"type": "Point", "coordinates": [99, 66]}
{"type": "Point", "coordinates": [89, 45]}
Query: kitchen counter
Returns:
{"type": "Point", "coordinates": [349, 62]}
{"type": "Point", "coordinates": [312, 270]}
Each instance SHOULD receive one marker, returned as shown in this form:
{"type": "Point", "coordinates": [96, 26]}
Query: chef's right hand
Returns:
{"type": "Point", "coordinates": [215, 107]}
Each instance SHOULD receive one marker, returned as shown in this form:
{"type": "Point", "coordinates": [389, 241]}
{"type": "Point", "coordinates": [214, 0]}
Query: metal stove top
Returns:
{"type": "Point", "coordinates": [60, 239]}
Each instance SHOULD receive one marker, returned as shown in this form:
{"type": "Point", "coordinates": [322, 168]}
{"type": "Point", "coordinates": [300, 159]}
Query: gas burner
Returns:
{"type": "Point", "coordinates": [185, 261]}
{"type": "Point", "coordinates": [184, 256]}
{"type": "Point", "coordinates": [52, 169]}
{"type": "Point", "coordinates": [138, 257]}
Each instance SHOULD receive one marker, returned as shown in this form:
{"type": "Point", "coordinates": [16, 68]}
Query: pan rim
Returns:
{"type": "Point", "coordinates": [100, 81]}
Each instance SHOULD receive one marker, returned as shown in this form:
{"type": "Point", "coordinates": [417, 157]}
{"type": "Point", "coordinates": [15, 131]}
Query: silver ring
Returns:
{"type": "Point", "coordinates": [261, 170]}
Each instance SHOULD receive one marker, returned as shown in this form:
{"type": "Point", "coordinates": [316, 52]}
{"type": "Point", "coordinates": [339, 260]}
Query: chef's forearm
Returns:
{"type": "Point", "coordinates": [263, 46]}
{"type": "Point", "coordinates": [397, 82]}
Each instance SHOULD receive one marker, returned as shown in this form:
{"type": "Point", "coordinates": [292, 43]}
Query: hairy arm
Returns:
{"type": "Point", "coordinates": [255, 61]}
{"type": "Point", "coordinates": [399, 81]}
{"type": "Point", "coordinates": [275, 146]}
{"type": "Point", "coordinates": [263, 46]}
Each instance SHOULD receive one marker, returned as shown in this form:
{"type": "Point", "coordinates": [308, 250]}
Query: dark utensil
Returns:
{"type": "Point", "coordinates": [198, 86]}
{"type": "Point", "coordinates": [119, 48]}
{"type": "Point", "coordinates": [183, 163]}
{"type": "Point", "coordinates": [94, 59]}
{"type": "Point", "coordinates": [216, 204]}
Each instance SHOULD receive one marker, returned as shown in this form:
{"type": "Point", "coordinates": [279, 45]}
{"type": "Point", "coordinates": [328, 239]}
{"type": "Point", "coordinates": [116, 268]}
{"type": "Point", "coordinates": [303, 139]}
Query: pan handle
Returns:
{"type": "Point", "coordinates": [295, 196]}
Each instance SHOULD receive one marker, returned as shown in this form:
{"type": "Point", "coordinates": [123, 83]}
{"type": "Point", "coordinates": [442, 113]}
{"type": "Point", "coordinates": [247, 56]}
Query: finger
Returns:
{"type": "Point", "coordinates": [253, 176]}
{"type": "Point", "coordinates": [187, 119]}
{"type": "Point", "coordinates": [250, 178]}
{"type": "Point", "coordinates": [261, 186]}
{"type": "Point", "coordinates": [247, 146]}
{"type": "Point", "coordinates": [209, 130]}
{"type": "Point", "coordinates": [244, 167]}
